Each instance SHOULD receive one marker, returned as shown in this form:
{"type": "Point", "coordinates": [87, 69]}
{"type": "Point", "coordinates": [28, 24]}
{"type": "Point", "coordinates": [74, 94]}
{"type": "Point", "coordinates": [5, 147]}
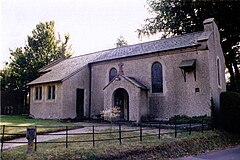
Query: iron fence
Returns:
{"type": "Point", "coordinates": [120, 131]}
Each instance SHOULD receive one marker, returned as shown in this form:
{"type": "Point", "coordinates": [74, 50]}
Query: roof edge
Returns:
{"type": "Point", "coordinates": [195, 45]}
{"type": "Point", "coordinates": [53, 63]}
{"type": "Point", "coordinates": [32, 84]}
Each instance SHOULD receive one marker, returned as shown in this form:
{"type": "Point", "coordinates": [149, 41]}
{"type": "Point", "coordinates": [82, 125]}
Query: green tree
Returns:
{"type": "Point", "coordinates": [121, 42]}
{"type": "Point", "coordinates": [174, 17]}
{"type": "Point", "coordinates": [42, 48]}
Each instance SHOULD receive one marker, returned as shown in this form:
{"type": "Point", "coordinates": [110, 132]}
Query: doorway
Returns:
{"type": "Point", "coordinates": [80, 103]}
{"type": "Point", "coordinates": [121, 100]}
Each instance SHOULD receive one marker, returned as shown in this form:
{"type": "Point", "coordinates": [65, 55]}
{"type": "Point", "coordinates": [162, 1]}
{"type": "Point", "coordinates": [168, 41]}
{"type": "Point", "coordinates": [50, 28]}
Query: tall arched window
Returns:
{"type": "Point", "coordinates": [157, 78]}
{"type": "Point", "coordinates": [112, 73]}
{"type": "Point", "coordinates": [218, 72]}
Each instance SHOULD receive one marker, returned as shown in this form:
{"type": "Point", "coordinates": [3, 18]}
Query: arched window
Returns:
{"type": "Point", "coordinates": [218, 72]}
{"type": "Point", "coordinates": [112, 73]}
{"type": "Point", "coordinates": [157, 78]}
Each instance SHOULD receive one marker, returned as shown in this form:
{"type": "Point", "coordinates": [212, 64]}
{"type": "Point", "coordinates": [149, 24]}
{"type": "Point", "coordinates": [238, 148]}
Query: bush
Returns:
{"type": "Point", "coordinates": [187, 119]}
{"type": "Point", "coordinates": [230, 111]}
{"type": "Point", "coordinates": [148, 118]}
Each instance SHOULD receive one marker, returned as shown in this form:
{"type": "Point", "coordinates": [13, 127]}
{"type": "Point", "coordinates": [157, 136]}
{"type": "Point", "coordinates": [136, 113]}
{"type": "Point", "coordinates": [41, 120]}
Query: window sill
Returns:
{"type": "Point", "coordinates": [219, 87]}
{"type": "Point", "coordinates": [37, 101]}
{"type": "Point", "coordinates": [157, 94]}
{"type": "Point", "coordinates": [50, 100]}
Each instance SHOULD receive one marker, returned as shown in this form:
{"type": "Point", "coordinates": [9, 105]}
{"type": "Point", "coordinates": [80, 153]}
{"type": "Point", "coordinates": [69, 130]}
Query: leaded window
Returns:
{"type": "Point", "coordinates": [38, 93]}
{"type": "Point", "coordinates": [218, 72]}
{"type": "Point", "coordinates": [51, 92]}
{"type": "Point", "coordinates": [112, 73]}
{"type": "Point", "coordinates": [157, 78]}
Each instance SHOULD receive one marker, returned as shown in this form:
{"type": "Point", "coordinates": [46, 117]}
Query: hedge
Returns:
{"type": "Point", "coordinates": [230, 111]}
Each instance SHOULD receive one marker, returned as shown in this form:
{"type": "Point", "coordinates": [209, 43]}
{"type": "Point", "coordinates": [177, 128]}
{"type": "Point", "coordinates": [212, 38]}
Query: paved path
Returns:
{"type": "Point", "coordinates": [226, 154]}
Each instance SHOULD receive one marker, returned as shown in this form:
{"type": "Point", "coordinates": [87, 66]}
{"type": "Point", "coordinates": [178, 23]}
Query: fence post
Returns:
{"type": "Point", "coordinates": [35, 144]}
{"type": "Point", "coordinates": [202, 126]}
{"type": "Point", "coordinates": [175, 128]}
{"type": "Point", "coordinates": [141, 132]}
{"type": "Point", "coordinates": [93, 136]}
{"type": "Point", "coordinates": [190, 128]}
{"type": "Point", "coordinates": [30, 136]}
{"type": "Point", "coordinates": [120, 134]}
{"type": "Point", "coordinates": [159, 130]}
{"type": "Point", "coordinates": [66, 136]}
{"type": "Point", "coordinates": [2, 140]}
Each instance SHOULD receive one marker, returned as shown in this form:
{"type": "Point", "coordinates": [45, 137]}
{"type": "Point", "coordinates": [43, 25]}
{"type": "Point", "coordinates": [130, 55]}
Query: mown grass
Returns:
{"type": "Point", "coordinates": [149, 148]}
{"type": "Point", "coordinates": [24, 121]}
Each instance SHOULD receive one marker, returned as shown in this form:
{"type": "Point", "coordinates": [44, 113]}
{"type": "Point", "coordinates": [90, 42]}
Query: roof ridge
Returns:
{"type": "Point", "coordinates": [125, 46]}
{"type": "Point", "coordinates": [69, 66]}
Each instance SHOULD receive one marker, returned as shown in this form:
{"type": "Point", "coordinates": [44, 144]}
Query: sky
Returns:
{"type": "Point", "coordinates": [93, 25]}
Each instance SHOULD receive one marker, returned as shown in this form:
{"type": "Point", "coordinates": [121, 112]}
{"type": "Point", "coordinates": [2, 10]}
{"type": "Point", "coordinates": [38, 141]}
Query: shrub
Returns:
{"type": "Point", "coordinates": [187, 119]}
{"type": "Point", "coordinates": [148, 118]}
{"type": "Point", "coordinates": [230, 111]}
{"type": "Point", "coordinates": [111, 113]}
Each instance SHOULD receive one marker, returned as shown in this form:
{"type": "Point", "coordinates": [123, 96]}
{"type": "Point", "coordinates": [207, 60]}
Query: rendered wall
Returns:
{"type": "Point", "coordinates": [44, 108]}
{"type": "Point", "coordinates": [215, 52]}
{"type": "Point", "coordinates": [79, 80]}
{"type": "Point", "coordinates": [133, 93]}
{"type": "Point", "coordinates": [178, 97]}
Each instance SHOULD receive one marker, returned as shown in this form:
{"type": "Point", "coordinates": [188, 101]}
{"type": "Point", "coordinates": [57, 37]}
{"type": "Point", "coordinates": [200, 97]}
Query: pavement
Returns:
{"type": "Point", "coordinates": [226, 154]}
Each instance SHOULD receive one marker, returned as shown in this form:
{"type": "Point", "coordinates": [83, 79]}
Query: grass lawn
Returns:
{"type": "Point", "coordinates": [23, 121]}
{"type": "Point", "coordinates": [149, 148]}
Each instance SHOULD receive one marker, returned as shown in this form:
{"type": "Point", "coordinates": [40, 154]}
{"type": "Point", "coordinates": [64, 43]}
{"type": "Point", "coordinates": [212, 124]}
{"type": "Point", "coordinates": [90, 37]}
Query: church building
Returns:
{"type": "Point", "coordinates": [162, 78]}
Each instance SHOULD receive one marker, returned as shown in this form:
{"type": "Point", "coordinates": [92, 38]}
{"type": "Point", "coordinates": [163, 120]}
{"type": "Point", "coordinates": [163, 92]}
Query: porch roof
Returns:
{"type": "Point", "coordinates": [130, 80]}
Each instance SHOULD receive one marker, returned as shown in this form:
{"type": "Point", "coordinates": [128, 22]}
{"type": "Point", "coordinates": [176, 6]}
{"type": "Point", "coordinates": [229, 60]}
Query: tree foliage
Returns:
{"type": "Point", "coordinates": [174, 17]}
{"type": "Point", "coordinates": [42, 48]}
{"type": "Point", "coordinates": [121, 42]}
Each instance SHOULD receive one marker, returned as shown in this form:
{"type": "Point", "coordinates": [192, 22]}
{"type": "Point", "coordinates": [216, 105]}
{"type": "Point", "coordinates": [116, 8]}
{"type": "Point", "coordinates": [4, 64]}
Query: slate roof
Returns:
{"type": "Point", "coordinates": [68, 67]}
{"type": "Point", "coordinates": [176, 42]}
{"type": "Point", "coordinates": [64, 69]}
{"type": "Point", "coordinates": [136, 83]}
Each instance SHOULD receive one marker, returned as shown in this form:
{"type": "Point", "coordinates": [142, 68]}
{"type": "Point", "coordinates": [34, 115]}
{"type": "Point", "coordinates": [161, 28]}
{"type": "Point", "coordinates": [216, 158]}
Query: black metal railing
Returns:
{"type": "Point", "coordinates": [120, 132]}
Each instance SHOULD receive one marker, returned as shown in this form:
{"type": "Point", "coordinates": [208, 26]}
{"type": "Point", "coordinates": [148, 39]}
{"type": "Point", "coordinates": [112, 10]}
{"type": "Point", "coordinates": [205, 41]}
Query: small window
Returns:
{"type": "Point", "coordinates": [157, 78]}
{"type": "Point", "coordinates": [218, 72]}
{"type": "Point", "coordinates": [38, 93]}
{"type": "Point", "coordinates": [51, 92]}
{"type": "Point", "coordinates": [112, 73]}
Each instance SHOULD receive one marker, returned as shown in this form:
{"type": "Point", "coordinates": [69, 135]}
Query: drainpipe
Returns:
{"type": "Point", "coordinates": [90, 89]}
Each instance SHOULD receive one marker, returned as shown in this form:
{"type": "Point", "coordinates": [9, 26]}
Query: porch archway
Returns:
{"type": "Point", "coordinates": [121, 100]}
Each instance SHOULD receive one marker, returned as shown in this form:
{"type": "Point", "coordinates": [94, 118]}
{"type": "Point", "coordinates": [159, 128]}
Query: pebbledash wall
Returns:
{"type": "Point", "coordinates": [54, 108]}
{"type": "Point", "coordinates": [64, 104]}
{"type": "Point", "coordinates": [178, 97]}
{"type": "Point", "coordinates": [191, 98]}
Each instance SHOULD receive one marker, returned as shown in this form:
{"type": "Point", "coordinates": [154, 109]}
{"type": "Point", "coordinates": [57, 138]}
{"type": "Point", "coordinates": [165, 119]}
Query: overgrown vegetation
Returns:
{"type": "Point", "coordinates": [149, 148]}
{"type": "Point", "coordinates": [194, 119]}
{"type": "Point", "coordinates": [180, 119]}
{"type": "Point", "coordinates": [230, 111]}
